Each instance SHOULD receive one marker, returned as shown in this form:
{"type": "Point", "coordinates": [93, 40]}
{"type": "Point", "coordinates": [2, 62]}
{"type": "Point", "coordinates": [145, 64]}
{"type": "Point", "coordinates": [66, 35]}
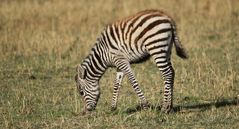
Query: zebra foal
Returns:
{"type": "Point", "coordinates": [130, 40]}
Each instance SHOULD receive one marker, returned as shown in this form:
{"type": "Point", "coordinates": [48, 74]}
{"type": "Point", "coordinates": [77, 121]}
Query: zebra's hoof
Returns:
{"type": "Point", "coordinates": [113, 108]}
{"type": "Point", "coordinates": [167, 108]}
{"type": "Point", "coordinates": [145, 106]}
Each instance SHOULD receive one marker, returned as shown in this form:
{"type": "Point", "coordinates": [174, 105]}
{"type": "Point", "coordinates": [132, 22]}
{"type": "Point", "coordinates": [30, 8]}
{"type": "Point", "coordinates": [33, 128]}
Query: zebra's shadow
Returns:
{"type": "Point", "coordinates": [192, 107]}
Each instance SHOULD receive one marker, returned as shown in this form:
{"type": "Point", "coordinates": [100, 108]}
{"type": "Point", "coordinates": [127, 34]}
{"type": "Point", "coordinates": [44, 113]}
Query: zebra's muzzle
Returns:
{"type": "Point", "coordinates": [90, 107]}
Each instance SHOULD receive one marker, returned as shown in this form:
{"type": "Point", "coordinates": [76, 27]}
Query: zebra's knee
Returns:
{"type": "Point", "coordinates": [167, 72]}
{"type": "Point", "coordinates": [172, 74]}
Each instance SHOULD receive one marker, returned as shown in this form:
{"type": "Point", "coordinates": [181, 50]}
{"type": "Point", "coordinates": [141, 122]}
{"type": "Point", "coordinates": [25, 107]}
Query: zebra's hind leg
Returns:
{"type": "Point", "coordinates": [117, 85]}
{"type": "Point", "coordinates": [123, 65]}
{"type": "Point", "coordinates": [164, 64]}
{"type": "Point", "coordinates": [161, 52]}
{"type": "Point", "coordinates": [168, 75]}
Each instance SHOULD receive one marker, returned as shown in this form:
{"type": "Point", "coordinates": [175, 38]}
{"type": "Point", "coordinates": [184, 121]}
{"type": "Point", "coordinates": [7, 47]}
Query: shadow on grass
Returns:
{"type": "Point", "coordinates": [192, 107]}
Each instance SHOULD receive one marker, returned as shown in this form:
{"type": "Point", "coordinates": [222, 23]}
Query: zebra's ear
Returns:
{"type": "Point", "coordinates": [81, 72]}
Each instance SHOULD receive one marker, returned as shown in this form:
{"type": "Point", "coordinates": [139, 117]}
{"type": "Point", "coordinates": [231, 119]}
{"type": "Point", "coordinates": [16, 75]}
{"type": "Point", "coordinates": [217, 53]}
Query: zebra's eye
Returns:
{"type": "Point", "coordinates": [81, 93]}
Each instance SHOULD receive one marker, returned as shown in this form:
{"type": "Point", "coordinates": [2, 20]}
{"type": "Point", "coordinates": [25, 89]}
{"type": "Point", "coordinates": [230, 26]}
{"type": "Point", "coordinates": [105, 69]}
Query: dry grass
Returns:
{"type": "Point", "coordinates": [41, 42]}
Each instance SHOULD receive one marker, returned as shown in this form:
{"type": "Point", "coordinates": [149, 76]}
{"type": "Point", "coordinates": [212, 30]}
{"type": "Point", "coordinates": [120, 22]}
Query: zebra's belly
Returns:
{"type": "Point", "coordinates": [140, 59]}
{"type": "Point", "coordinates": [136, 57]}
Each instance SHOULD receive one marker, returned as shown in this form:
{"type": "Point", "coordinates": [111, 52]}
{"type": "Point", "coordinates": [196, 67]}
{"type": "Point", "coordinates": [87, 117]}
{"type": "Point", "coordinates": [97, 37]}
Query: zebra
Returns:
{"type": "Point", "coordinates": [149, 33]}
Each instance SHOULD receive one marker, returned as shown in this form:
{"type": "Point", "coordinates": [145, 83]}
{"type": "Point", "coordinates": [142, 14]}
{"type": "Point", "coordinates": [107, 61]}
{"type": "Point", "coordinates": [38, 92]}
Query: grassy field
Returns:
{"type": "Point", "coordinates": [42, 41]}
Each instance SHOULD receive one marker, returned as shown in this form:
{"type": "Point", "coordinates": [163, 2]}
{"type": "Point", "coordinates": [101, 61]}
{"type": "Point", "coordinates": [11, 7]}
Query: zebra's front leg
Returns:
{"type": "Point", "coordinates": [117, 85]}
{"type": "Point", "coordinates": [124, 66]}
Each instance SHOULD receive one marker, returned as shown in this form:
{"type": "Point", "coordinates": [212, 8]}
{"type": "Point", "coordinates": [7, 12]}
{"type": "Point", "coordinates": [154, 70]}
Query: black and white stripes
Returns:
{"type": "Point", "coordinates": [133, 39]}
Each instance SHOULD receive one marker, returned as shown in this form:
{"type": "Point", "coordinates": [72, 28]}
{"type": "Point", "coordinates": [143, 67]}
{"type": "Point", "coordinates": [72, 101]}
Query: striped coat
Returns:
{"type": "Point", "coordinates": [130, 40]}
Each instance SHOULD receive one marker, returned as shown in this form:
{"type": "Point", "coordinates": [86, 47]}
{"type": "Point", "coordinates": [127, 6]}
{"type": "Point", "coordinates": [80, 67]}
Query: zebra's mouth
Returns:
{"type": "Point", "coordinates": [90, 107]}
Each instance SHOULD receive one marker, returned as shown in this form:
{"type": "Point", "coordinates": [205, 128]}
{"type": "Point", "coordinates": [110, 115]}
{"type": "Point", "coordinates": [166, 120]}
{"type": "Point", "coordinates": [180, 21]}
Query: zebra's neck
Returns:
{"type": "Point", "coordinates": [95, 63]}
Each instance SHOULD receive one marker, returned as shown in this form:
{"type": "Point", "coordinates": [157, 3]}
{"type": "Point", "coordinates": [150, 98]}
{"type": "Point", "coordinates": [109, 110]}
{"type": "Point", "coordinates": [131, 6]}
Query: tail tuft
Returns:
{"type": "Point", "coordinates": [181, 53]}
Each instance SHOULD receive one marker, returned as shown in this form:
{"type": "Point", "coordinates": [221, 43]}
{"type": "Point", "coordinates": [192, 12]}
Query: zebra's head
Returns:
{"type": "Point", "coordinates": [89, 90]}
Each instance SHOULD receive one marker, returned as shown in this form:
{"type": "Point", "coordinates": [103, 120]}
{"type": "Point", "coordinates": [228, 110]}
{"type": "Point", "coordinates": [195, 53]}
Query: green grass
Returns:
{"type": "Point", "coordinates": [41, 43]}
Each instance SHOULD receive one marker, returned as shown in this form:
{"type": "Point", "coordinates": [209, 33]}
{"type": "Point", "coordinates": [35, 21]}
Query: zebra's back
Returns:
{"type": "Point", "coordinates": [134, 36]}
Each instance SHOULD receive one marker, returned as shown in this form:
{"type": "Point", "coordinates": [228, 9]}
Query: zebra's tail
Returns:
{"type": "Point", "coordinates": [178, 46]}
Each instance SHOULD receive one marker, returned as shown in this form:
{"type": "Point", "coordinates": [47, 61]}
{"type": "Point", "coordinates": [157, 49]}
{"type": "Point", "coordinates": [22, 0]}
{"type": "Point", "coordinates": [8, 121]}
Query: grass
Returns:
{"type": "Point", "coordinates": [42, 41]}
